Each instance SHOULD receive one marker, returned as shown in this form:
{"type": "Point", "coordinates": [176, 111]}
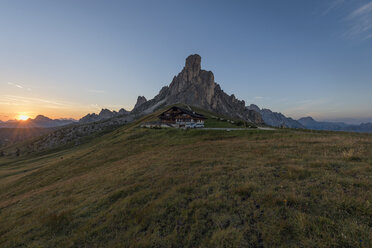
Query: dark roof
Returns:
{"type": "Point", "coordinates": [186, 111]}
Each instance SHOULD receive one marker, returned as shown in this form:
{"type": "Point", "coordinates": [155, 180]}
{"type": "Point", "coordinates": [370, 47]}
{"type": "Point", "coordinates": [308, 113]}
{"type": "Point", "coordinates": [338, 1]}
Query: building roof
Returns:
{"type": "Point", "coordinates": [186, 111]}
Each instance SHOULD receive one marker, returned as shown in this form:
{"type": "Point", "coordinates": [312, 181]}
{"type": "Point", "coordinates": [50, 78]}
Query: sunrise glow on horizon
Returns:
{"type": "Point", "coordinates": [304, 58]}
{"type": "Point", "coordinates": [23, 117]}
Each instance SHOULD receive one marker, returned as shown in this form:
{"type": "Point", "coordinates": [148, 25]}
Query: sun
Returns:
{"type": "Point", "coordinates": [23, 117]}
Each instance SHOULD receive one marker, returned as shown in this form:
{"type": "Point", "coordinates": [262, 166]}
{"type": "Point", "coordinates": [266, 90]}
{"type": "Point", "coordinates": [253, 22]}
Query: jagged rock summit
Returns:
{"type": "Point", "coordinates": [140, 101]}
{"type": "Point", "coordinates": [196, 87]}
{"type": "Point", "coordinates": [103, 115]}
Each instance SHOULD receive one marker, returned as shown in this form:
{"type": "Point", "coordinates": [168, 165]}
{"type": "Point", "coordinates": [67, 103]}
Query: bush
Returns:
{"type": "Point", "coordinates": [240, 123]}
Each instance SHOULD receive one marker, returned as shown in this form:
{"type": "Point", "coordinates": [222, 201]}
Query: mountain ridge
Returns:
{"type": "Point", "coordinates": [104, 114]}
{"type": "Point", "coordinates": [40, 121]}
{"type": "Point", "coordinates": [276, 119]}
{"type": "Point", "coordinates": [198, 88]}
{"type": "Point", "coordinates": [310, 123]}
{"type": "Point", "coordinates": [195, 87]}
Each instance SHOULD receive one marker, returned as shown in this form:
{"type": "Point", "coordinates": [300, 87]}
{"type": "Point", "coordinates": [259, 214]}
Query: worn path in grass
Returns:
{"type": "Point", "coordinates": [239, 129]}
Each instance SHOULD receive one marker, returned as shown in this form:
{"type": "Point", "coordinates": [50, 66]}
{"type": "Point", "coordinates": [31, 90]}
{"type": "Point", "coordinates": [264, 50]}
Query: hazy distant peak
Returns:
{"type": "Point", "coordinates": [103, 115]}
{"type": "Point", "coordinates": [40, 121]}
{"type": "Point", "coordinates": [275, 119]}
{"type": "Point", "coordinates": [306, 119]}
{"type": "Point", "coordinates": [42, 118]}
{"type": "Point", "coordinates": [254, 107]}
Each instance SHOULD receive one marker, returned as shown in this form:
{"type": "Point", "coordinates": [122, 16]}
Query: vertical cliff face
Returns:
{"type": "Point", "coordinates": [192, 85]}
{"type": "Point", "coordinates": [140, 100]}
{"type": "Point", "coordinates": [197, 87]}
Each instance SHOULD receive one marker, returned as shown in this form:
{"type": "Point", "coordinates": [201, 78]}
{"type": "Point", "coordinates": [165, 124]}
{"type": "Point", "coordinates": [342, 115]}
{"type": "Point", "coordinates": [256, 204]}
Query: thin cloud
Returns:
{"type": "Point", "coordinates": [15, 85]}
{"type": "Point", "coordinates": [364, 9]}
{"type": "Point", "coordinates": [360, 22]}
{"type": "Point", "coordinates": [368, 37]}
{"type": "Point", "coordinates": [357, 20]}
{"type": "Point", "coordinates": [95, 106]}
{"type": "Point", "coordinates": [335, 4]}
{"type": "Point", "coordinates": [22, 101]}
{"type": "Point", "coordinates": [19, 86]}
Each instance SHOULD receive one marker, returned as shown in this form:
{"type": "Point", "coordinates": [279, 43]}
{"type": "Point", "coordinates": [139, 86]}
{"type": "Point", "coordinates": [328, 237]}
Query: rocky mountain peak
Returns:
{"type": "Point", "coordinates": [193, 65]}
{"type": "Point", "coordinates": [254, 107]}
{"type": "Point", "coordinates": [140, 100]}
{"type": "Point", "coordinates": [308, 118]}
{"type": "Point", "coordinates": [123, 112]}
{"type": "Point", "coordinates": [42, 118]}
{"type": "Point", "coordinates": [197, 87]}
{"type": "Point", "coordinates": [105, 113]}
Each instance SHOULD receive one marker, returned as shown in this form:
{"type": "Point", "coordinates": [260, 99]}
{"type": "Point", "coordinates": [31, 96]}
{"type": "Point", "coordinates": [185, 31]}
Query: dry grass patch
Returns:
{"type": "Point", "coordinates": [174, 188]}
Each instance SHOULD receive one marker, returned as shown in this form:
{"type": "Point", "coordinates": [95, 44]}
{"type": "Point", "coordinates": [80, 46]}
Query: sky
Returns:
{"type": "Point", "coordinates": [66, 58]}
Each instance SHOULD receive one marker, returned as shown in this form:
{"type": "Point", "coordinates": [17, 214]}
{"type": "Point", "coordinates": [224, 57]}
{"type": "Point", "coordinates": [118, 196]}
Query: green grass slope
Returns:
{"type": "Point", "coordinates": [138, 187]}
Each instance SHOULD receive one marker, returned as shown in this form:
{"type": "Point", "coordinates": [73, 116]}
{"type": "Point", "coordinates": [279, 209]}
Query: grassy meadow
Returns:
{"type": "Point", "coordinates": [138, 187]}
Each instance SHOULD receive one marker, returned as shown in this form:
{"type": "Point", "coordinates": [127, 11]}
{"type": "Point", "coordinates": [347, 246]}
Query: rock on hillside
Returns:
{"type": "Point", "coordinates": [197, 87]}
{"type": "Point", "coordinates": [276, 119]}
{"type": "Point", "coordinates": [103, 115]}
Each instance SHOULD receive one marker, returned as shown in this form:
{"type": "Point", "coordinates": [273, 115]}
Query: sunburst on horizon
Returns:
{"type": "Point", "coordinates": [23, 117]}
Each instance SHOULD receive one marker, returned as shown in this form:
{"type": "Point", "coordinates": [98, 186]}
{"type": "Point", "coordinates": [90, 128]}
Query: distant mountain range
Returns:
{"type": "Point", "coordinates": [195, 87]}
{"type": "Point", "coordinates": [310, 123]}
{"type": "Point", "coordinates": [40, 121]}
{"type": "Point", "coordinates": [276, 119]}
{"type": "Point", "coordinates": [279, 120]}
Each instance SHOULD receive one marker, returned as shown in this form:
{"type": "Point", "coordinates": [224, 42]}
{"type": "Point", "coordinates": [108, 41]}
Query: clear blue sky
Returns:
{"type": "Point", "coordinates": [67, 58]}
